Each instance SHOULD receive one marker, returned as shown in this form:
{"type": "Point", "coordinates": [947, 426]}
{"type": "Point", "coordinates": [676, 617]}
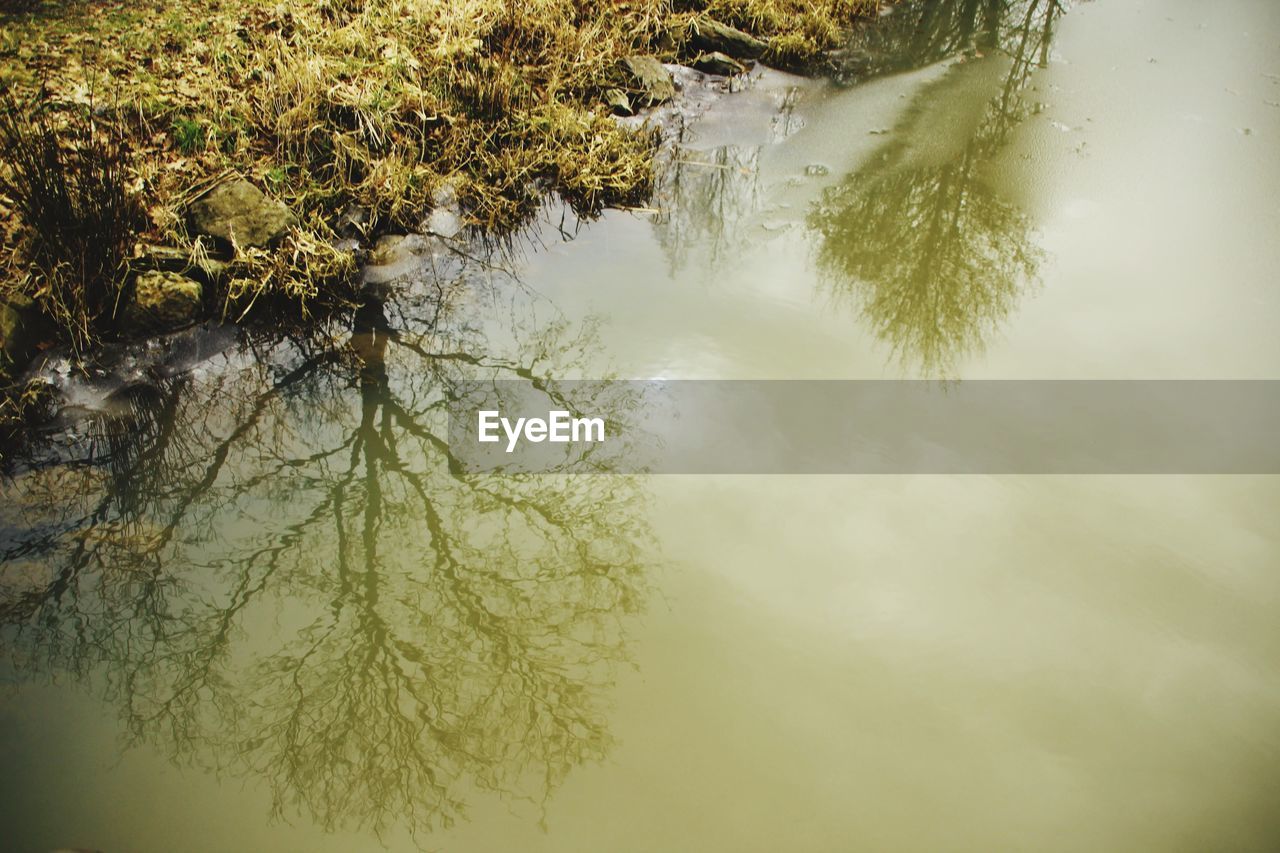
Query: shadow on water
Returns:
{"type": "Point", "coordinates": [918, 238]}
{"type": "Point", "coordinates": [276, 571]}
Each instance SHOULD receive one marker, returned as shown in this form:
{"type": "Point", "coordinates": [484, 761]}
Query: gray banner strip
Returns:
{"type": "Point", "coordinates": [867, 427]}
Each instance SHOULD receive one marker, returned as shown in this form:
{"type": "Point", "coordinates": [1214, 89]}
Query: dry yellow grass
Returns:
{"type": "Point", "coordinates": [338, 106]}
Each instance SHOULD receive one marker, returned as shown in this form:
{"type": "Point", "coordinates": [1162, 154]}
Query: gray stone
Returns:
{"type": "Point", "coordinates": [239, 212]}
{"type": "Point", "coordinates": [648, 80]}
{"type": "Point", "coordinates": [162, 300]}
{"type": "Point", "coordinates": [716, 62]}
{"type": "Point", "coordinates": [709, 35]}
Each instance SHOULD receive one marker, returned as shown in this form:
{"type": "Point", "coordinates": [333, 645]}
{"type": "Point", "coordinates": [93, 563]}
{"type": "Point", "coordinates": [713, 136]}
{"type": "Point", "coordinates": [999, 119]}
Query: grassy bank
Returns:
{"type": "Point", "coordinates": [354, 113]}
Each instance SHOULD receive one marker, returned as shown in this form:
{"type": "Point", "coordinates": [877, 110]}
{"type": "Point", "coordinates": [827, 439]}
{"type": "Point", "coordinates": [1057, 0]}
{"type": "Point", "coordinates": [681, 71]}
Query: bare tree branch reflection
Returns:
{"type": "Point", "coordinates": [932, 255]}
{"type": "Point", "coordinates": [917, 33]}
{"type": "Point", "coordinates": [706, 197]}
{"type": "Point", "coordinates": [709, 196]}
{"type": "Point", "coordinates": [278, 571]}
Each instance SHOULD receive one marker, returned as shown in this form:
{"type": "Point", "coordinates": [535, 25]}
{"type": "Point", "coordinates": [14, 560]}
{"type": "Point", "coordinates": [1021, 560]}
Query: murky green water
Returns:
{"type": "Point", "coordinates": [257, 609]}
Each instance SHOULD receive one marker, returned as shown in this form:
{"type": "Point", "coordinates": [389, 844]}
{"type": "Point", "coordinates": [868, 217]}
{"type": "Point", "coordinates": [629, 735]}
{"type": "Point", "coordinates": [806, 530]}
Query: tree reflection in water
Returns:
{"type": "Point", "coordinates": [278, 572]}
{"type": "Point", "coordinates": [707, 198]}
{"type": "Point", "coordinates": [932, 255]}
{"type": "Point", "coordinates": [917, 33]}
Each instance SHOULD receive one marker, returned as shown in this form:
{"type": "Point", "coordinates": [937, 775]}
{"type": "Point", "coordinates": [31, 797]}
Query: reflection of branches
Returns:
{"type": "Point", "coordinates": [705, 197]}
{"type": "Point", "coordinates": [920, 32]}
{"type": "Point", "coordinates": [932, 255]}
{"type": "Point", "coordinates": [435, 629]}
{"type": "Point", "coordinates": [934, 259]}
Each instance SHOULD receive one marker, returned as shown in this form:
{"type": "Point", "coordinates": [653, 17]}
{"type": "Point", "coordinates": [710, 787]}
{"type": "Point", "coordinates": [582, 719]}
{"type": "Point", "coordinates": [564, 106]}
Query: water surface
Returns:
{"type": "Point", "coordinates": [252, 605]}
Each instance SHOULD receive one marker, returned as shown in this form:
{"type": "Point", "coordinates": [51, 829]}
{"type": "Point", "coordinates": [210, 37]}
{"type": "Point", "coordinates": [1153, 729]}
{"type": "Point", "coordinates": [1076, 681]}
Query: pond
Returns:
{"type": "Point", "coordinates": [249, 602]}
